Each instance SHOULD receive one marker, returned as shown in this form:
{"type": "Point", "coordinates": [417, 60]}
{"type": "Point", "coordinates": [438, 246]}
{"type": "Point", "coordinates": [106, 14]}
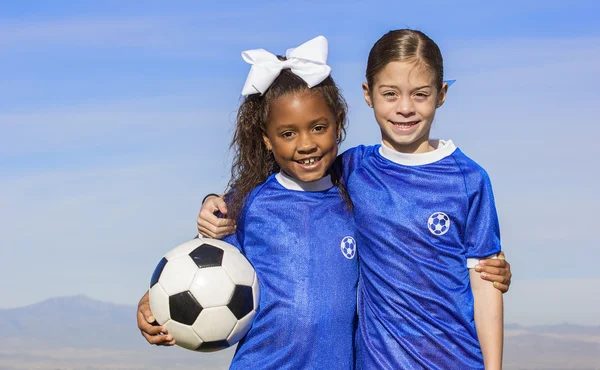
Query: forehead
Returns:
{"type": "Point", "coordinates": [298, 107]}
{"type": "Point", "coordinates": [408, 74]}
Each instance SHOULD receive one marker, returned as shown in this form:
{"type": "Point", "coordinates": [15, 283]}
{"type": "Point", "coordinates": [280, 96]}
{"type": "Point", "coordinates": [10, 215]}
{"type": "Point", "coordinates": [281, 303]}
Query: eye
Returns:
{"type": "Point", "coordinates": [389, 94]}
{"type": "Point", "coordinates": [287, 134]}
{"type": "Point", "coordinates": [320, 128]}
{"type": "Point", "coordinates": [421, 95]}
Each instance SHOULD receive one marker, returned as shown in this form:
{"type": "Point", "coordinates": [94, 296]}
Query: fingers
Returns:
{"type": "Point", "coordinates": [492, 270]}
{"type": "Point", "coordinates": [225, 227]}
{"type": "Point", "coordinates": [151, 331]}
{"type": "Point", "coordinates": [219, 203]}
{"type": "Point", "coordinates": [214, 204]}
{"type": "Point", "coordinates": [147, 323]}
{"type": "Point", "coordinates": [501, 287]}
{"type": "Point", "coordinates": [145, 319]}
{"type": "Point", "coordinates": [159, 340]}
{"type": "Point", "coordinates": [497, 271]}
{"type": "Point", "coordinates": [499, 278]}
{"type": "Point", "coordinates": [498, 262]}
{"type": "Point", "coordinates": [211, 226]}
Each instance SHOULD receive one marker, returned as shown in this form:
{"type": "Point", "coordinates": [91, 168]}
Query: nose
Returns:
{"type": "Point", "coordinates": [306, 143]}
{"type": "Point", "coordinates": [405, 106]}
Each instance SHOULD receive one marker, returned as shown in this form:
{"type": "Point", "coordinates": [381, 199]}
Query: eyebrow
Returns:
{"type": "Point", "coordinates": [317, 120]}
{"type": "Point", "coordinates": [396, 87]}
{"type": "Point", "coordinates": [312, 122]}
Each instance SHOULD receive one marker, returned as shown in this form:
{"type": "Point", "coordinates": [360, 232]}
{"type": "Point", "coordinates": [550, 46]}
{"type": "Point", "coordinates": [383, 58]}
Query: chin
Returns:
{"type": "Point", "coordinates": [311, 177]}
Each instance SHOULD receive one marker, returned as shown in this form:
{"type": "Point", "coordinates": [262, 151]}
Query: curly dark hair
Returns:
{"type": "Point", "coordinates": [253, 163]}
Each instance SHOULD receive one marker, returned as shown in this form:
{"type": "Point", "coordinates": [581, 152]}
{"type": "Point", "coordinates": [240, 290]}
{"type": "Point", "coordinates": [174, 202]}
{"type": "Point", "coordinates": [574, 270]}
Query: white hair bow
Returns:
{"type": "Point", "coordinates": [307, 61]}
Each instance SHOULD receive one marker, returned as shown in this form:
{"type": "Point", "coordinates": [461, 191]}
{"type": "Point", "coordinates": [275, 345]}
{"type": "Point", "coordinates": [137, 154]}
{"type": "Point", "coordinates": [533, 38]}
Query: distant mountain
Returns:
{"type": "Point", "coordinates": [82, 333]}
{"type": "Point", "coordinates": [563, 329]}
{"type": "Point", "coordinates": [76, 321]}
{"type": "Point", "coordinates": [563, 346]}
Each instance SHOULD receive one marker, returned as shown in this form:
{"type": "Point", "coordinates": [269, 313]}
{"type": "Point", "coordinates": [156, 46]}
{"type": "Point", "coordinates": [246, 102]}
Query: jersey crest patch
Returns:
{"type": "Point", "coordinates": [438, 223]}
{"type": "Point", "coordinates": [348, 246]}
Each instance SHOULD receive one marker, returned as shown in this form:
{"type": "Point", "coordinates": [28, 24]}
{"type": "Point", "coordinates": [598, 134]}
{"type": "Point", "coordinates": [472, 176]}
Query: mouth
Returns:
{"type": "Point", "coordinates": [308, 162]}
{"type": "Point", "coordinates": [404, 125]}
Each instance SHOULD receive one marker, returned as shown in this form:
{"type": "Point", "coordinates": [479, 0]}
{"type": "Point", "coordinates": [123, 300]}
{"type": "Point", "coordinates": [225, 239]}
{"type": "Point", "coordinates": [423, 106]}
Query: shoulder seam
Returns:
{"type": "Point", "coordinates": [362, 158]}
{"type": "Point", "coordinates": [466, 193]}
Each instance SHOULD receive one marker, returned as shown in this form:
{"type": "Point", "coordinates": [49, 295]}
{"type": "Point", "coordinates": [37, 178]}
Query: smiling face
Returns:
{"type": "Point", "coordinates": [302, 133]}
{"type": "Point", "coordinates": [404, 99]}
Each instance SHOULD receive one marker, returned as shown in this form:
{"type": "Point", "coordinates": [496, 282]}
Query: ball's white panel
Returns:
{"type": "Point", "coordinates": [241, 328]}
{"type": "Point", "coordinates": [238, 268]}
{"type": "Point", "coordinates": [214, 324]}
{"type": "Point", "coordinates": [184, 335]}
{"type": "Point", "coordinates": [159, 304]}
{"type": "Point", "coordinates": [212, 287]}
{"type": "Point", "coordinates": [256, 291]}
{"type": "Point", "coordinates": [221, 244]}
{"type": "Point", "coordinates": [183, 249]}
{"type": "Point", "coordinates": [178, 274]}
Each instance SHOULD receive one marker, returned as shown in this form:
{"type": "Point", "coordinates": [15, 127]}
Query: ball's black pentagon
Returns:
{"type": "Point", "coordinates": [213, 346]}
{"type": "Point", "coordinates": [157, 271]}
{"type": "Point", "coordinates": [207, 255]}
{"type": "Point", "coordinates": [241, 302]}
{"type": "Point", "coordinates": [184, 308]}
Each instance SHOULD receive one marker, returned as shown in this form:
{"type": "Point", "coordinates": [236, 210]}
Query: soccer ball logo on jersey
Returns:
{"type": "Point", "coordinates": [438, 223]}
{"type": "Point", "coordinates": [348, 246]}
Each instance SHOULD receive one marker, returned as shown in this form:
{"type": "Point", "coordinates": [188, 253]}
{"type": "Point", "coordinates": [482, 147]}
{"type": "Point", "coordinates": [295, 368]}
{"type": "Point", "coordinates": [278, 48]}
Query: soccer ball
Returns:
{"type": "Point", "coordinates": [438, 223]}
{"type": "Point", "coordinates": [205, 292]}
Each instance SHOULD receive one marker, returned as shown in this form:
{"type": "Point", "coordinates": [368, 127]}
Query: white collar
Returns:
{"type": "Point", "coordinates": [291, 183]}
{"type": "Point", "coordinates": [443, 148]}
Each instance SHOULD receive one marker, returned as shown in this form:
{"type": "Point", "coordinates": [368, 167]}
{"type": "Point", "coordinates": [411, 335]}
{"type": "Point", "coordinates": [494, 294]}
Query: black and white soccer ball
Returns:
{"type": "Point", "coordinates": [438, 223]}
{"type": "Point", "coordinates": [205, 292]}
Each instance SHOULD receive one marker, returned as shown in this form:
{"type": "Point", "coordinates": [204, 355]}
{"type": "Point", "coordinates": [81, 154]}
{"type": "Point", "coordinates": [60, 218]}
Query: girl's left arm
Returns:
{"type": "Point", "coordinates": [489, 320]}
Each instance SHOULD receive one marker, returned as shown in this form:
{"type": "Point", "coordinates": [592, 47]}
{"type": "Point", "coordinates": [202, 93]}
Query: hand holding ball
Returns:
{"type": "Point", "coordinates": [205, 292]}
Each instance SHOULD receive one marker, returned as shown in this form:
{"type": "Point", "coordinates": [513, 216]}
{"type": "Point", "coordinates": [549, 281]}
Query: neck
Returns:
{"type": "Point", "coordinates": [419, 146]}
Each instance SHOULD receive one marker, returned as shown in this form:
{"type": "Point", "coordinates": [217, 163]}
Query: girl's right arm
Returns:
{"type": "Point", "coordinates": [211, 226]}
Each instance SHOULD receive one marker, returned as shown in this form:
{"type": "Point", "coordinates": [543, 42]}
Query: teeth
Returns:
{"type": "Point", "coordinates": [309, 161]}
{"type": "Point", "coordinates": [403, 124]}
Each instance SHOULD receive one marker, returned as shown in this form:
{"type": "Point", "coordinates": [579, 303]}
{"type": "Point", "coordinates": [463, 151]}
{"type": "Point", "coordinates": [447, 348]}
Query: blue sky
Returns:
{"type": "Point", "coordinates": [116, 116]}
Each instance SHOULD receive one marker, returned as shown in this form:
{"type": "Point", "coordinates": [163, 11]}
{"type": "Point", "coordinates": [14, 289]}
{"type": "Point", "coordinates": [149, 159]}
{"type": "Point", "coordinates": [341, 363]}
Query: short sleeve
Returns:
{"type": "Point", "coordinates": [348, 162]}
{"type": "Point", "coordinates": [482, 231]}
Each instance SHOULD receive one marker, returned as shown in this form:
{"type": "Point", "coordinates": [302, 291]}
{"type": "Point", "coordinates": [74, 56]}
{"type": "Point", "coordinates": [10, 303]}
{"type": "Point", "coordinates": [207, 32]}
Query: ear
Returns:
{"type": "Point", "coordinates": [442, 95]}
{"type": "Point", "coordinates": [367, 94]}
{"type": "Point", "coordinates": [267, 142]}
{"type": "Point", "coordinates": [339, 128]}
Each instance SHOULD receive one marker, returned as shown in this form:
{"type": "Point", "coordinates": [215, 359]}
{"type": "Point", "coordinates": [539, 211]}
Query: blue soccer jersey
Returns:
{"type": "Point", "coordinates": [300, 239]}
{"type": "Point", "coordinates": [421, 218]}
